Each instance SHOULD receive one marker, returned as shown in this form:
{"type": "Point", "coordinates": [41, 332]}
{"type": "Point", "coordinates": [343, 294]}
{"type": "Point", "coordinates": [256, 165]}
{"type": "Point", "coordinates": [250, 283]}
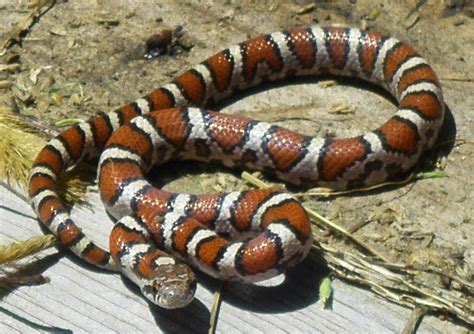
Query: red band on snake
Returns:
{"type": "Point", "coordinates": [245, 236]}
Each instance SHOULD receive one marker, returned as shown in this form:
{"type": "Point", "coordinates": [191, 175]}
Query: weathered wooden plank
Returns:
{"type": "Point", "coordinates": [81, 299]}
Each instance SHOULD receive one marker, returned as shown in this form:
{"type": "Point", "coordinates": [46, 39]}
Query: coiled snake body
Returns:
{"type": "Point", "coordinates": [246, 236]}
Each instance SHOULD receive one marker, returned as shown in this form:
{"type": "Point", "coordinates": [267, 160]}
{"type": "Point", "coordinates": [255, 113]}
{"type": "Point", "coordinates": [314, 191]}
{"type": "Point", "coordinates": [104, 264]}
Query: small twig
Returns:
{"type": "Point", "coordinates": [411, 269]}
{"type": "Point", "coordinates": [216, 305]}
{"type": "Point", "coordinates": [328, 192]}
{"type": "Point", "coordinates": [313, 214]}
{"type": "Point", "coordinates": [457, 79]}
{"type": "Point", "coordinates": [27, 21]}
{"type": "Point", "coordinates": [254, 181]}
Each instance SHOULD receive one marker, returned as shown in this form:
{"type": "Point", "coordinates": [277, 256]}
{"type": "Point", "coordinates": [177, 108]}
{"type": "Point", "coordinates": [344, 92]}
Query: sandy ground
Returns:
{"type": "Point", "coordinates": [83, 57]}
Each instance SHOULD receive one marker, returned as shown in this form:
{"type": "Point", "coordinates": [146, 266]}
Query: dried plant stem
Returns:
{"type": "Point", "coordinates": [25, 23]}
{"type": "Point", "coordinates": [414, 320]}
{"type": "Point", "coordinates": [401, 287]}
{"type": "Point", "coordinates": [457, 79]}
{"type": "Point", "coordinates": [216, 305]}
{"type": "Point", "coordinates": [327, 223]}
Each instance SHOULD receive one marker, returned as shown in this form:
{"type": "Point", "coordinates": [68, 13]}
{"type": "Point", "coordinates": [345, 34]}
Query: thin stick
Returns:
{"type": "Point", "coordinates": [316, 216]}
{"type": "Point", "coordinates": [216, 305]}
{"type": "Point", "coordinates": [15, 34]}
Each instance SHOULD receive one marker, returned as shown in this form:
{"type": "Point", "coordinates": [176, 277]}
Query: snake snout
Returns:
{"type": "Point", "coordinates": [172, 297]}
{"type": "Point", "coordinates": [174, 286]}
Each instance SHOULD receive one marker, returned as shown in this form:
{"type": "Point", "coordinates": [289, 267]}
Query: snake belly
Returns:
{"type": "Point", "coordinates": [246, 236]}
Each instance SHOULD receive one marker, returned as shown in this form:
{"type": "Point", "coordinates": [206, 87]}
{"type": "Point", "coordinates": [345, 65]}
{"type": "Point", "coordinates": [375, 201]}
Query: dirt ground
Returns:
{"type": "Point", "coordinates": [82, 57]}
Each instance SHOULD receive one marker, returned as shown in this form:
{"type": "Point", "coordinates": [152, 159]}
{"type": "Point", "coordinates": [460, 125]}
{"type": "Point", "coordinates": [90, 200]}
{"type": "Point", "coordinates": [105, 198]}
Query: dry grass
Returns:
{"type": "Point", "coordinates": [21, 249]}
{"type": "Point", "coordinates": [19, 143]}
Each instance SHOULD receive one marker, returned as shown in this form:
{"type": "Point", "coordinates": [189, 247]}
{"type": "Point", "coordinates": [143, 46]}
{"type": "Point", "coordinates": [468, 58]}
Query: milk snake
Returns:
{"type": "Point", "coordinates": [244, 236]}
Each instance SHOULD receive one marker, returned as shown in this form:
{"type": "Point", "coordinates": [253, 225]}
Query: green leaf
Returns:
{"type": "Point", "coordinates": [325, 293]}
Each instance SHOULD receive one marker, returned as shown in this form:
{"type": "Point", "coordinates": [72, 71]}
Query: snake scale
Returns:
{"type": "Point", "coordinates": [245, 236]}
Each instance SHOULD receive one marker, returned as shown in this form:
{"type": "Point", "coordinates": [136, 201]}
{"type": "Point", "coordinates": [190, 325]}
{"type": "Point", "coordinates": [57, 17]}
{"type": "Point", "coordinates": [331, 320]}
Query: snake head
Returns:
{"type": "Point", "coordinates": [172, 287]}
